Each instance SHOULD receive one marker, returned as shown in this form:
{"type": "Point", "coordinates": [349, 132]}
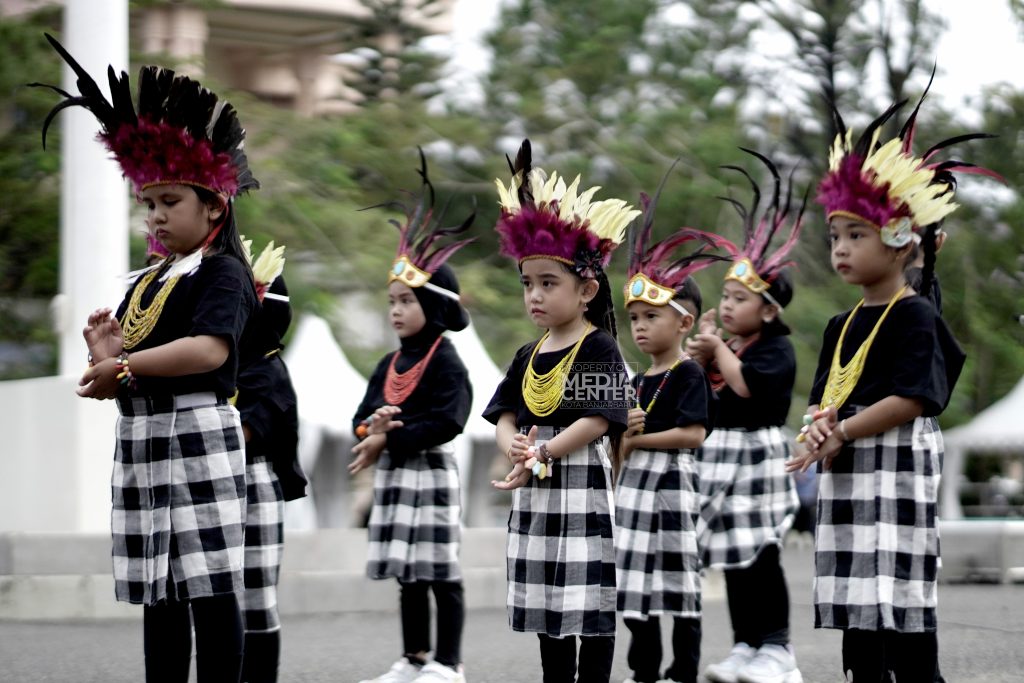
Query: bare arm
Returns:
{"type": "Point", "coordinates": [578, 434]}
{"type": "Point", "coordinates": [731, 368]}
{"type": "Point", "coordinates": [185, 356]}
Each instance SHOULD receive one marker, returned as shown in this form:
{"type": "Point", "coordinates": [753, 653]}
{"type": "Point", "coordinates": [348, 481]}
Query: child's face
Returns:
{"type": "Point", "coordinates": [177, 217]}
{"type": "Point", "coordinates": [404, 310]}
{"type": "Point", "coordinates": [553, 296]}
{"type": "Point", "coordinates": [858, 254]}
{"type": "Point", "coordinates": [657, 329]}
{"type": "Point", "coordinates": [742, 311]}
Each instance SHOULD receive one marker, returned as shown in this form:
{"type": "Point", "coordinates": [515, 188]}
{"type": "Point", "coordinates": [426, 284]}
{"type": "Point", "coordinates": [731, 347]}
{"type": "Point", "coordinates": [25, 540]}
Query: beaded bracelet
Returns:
{"type": "Point", "coordinates": [540, 462]}
{"type": "Point", "coordinates": [363, 429]}
{"type": "Point", "coordinates": [124, 374]}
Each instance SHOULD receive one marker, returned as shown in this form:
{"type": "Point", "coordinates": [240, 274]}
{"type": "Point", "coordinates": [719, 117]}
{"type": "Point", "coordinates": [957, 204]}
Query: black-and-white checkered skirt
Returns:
{"type": "Point", "coordinates": [414, 524]}
{"type": "Point", "coordinates": [877, 540]}
{"type": "Point", "coordinates": [656, 510]}
{"type": "Point", "coordinates": [561, 547]}
{"type": "Point", "coordinates": [264, 545]}
{"type": "Point", "coordinates": [748, 500]}
{"type": "Point", "coordinates": [178, 499]}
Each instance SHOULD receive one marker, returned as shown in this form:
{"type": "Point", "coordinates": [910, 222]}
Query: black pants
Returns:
{"type": "Point", "coordinates": [558, 658]}
{"type": "Point", "coordinates": [262, 656]}
{"type": "Point", "coordinates": [759, 601]}
{"type": "Point", "coordinates": [645, 650]}
{"type": "Point", "coordinates": [870, 656]}
{"type": "Point", "coordinates": [451, 615]}
{"type": "Point", "coordinates": [167, 640]}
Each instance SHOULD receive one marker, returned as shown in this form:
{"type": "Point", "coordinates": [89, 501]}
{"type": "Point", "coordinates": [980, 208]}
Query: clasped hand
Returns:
{"type": "Point", "coordinates": [821, 442]}
{"type": "Point", "coordinates": [518, 452]}
{"type": "Point", "coordinates": [369, 449]}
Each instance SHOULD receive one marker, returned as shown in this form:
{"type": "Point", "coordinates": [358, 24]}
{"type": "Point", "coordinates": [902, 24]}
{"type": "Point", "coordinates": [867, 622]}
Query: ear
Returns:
{"type": "Point", "coordinates": [940, 239]}
{"type": "Point", "coordinates": [768, 312]}
{"type": "Point", "coordinates": [589, 290]}
{"type": "Point", "coordinates": [686, 323]}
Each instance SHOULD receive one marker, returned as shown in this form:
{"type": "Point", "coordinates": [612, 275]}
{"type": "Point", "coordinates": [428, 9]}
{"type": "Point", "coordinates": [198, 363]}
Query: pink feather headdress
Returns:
{"type": "Point", "coordinates": [754, 265]}
{"type": "Point", "coordinates": [888, 187]}
{"type": "Point", "coordinates": [419, 256]}
{"type": "Point", "coordinates": [654, 274]}
{"type": "Point", "coordinates": [180, 134]}
{"type": "Point", "coordinates": [542, 218]}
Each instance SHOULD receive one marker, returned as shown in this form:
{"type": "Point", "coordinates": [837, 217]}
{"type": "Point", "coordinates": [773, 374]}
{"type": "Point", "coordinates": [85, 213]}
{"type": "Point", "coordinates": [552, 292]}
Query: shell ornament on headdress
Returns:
{"type": "Point", "coordinates": [885, 185]}
{"type": "Point", "coordinates": [654, 276]}
{"type": "Point", "coordinates": [415, 262]}
{"type": "Point", "coordinates": [754, 266]}
{"type": "Point", "coordinates": [542, 218]}
{"type": "Point", "coordinates": [181, 133]}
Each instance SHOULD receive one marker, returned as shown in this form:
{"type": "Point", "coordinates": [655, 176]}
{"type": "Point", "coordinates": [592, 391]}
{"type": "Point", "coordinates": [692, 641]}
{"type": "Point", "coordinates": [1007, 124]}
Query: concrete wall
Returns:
{"type": "Point", "coordinates": [56, 452]}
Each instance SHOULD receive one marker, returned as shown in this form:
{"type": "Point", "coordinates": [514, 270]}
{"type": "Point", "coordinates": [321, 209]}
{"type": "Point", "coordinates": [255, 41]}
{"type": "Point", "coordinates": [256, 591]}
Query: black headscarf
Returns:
{"type": "Point", "coordinates": [441, 312]}
{"type": "Point", "coordinates": [269, 323]}
{"type": "Point", "coordinates": [781, 289]}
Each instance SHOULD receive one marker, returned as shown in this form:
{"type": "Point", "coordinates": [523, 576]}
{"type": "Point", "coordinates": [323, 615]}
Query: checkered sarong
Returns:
{"type": "Point", "coordinates": [877, 541]}
{"type": "Point", "coordinates": [414, 523]}
{"type": "Point", "coordinates": [264, 543]}
{"type": "Point", "coordinates": [178, 499]}
{"type": "Point", "coordinates": [748, 501]}
{"type": "Point", "coordinates": [561, 548]}
{"type": "Point", "coordinates": [656, 556]}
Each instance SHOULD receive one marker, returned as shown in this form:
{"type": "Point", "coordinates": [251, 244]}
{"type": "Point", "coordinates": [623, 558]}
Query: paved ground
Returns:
{"type": "Point", "coordinates": [981, 637]}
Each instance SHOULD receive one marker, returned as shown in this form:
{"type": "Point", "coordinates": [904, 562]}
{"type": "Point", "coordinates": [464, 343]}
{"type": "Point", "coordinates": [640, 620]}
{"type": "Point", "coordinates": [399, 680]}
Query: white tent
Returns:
{"type": "Point", "coordinates": [329, 391]}
{"type": "Point", "coordinates": [998, 428]}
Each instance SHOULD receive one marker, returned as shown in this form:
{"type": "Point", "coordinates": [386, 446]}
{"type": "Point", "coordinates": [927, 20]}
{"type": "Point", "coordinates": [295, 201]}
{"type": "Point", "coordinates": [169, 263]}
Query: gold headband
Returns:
{"type": "Point", "coordinates": [405, 272]}
{"type": "Point", "coordinates": [743, 272]}
{"type": "Point", "coordinates": [643, 288]}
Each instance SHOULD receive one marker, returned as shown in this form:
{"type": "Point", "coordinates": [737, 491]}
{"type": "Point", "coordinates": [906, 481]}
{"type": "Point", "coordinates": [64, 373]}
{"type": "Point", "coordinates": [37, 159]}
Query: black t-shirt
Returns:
{"type": "Point", "coordinates": [685, 399]}
{"type": "Point", "coordinates": [216, 300]}
{"type": "Point", "coordinates": [437, 409]}
{"type": "Point", "coordinates": [914, 355]}
{"type": "Point", "coordinates": [598, 362]}
{"type": "Point", "coordinates": [268, 406]}
{"type": "Point", "coordinates": [769, 369]}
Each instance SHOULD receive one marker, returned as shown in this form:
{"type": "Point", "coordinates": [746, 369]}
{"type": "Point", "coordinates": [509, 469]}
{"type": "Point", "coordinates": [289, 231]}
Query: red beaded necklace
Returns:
{"type": "Point", "coordinates": [661, 384]}
{"type": "Point", "coordinates": [399, 385]}
{"type": "Point", "coordinates": [715, 377]}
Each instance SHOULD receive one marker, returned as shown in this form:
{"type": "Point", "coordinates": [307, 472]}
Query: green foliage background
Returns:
{"type": "Point", "coordinates": [612, 90]}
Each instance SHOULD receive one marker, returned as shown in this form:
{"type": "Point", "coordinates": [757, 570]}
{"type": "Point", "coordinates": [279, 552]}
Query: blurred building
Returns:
{"type": "Point", "coordinates": [281, 50]}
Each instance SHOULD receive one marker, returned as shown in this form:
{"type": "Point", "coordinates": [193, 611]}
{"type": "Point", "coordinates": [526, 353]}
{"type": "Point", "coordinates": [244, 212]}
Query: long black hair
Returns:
{"type": "Point", "coordinates": [928, 271]}
{"type": "Point", "coordinates": [227, 241]}
{"type": "Point", "coordinates": [601, 309]}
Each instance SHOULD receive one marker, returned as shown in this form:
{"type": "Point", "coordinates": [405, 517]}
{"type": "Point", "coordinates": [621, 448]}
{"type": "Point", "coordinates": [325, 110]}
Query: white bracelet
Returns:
{"type": "Point", "coordinates": [842, 430]}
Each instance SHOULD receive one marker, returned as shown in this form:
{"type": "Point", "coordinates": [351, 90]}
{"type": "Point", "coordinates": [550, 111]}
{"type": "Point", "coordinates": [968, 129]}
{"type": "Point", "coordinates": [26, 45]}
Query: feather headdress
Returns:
{"type": "Point", "coordinates": [885, 184]}
{"type": "Point", "coordinates": [754, 265]}
{"type": "Point", "coordinates": [266, 268]}
{"type": "Point", "coordinates": [543, 218]}
{"type": "Point", "coordinates": [181, 133]}
{"type": "Point", "coordinates": [420, 253]}
{"type": "Point", "coordinates": [655, 275]}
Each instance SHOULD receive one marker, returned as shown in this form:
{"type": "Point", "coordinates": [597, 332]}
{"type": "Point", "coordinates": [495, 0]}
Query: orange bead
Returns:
{"type": "Point", "coordinates": [362, 431]}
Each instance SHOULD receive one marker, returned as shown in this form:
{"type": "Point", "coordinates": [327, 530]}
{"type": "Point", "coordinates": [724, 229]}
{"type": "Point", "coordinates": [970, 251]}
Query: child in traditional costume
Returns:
{"type": "Point", "coordinates": [748, 501]}
{"type": "Point", "coordinates": [656, 499]}
{"type": "Point", "coordinates": [417, 401]}
{"type": "Point", "coordinates": [886, 370]}
{"type": "Point", "coordinates": [560, 551]}
{"type": "Point", "coordinates": [169, 357]}
{"type": "Point", "coordinates": [270, 423]}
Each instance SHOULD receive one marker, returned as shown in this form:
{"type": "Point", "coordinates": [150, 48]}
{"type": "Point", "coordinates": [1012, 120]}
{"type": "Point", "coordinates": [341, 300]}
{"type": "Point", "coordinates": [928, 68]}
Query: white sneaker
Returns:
{"type": "Point", "coordinates": [727, 669]}
{"type": "Point", "coordinates": [402, 671]}
{"type": "Point", "coordinates": [771, 664]}
{"type": "Point", "coordinates": [434, 672]}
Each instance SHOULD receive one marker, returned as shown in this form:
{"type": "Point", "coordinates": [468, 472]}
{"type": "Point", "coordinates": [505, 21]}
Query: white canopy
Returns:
{"type": "Point", "coordinates": [329, 389]}
{"type": "Point", "coordinates": [484, 376]}
{"type": "Point", "coordinates": [1000, 427]}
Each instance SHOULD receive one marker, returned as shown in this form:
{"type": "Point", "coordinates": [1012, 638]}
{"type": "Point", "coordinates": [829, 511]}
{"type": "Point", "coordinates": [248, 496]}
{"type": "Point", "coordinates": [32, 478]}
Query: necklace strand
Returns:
{"type": "Point", "coordinates": [661, 384]}
{"type": "Point", "coordinates": [398, 386]}
{"type": "Point", "coordinates": [842, 379]}
{"type": "Point", "coordinates": [137, 322]}
{"type": "Point", "coordinates": [543, 393]}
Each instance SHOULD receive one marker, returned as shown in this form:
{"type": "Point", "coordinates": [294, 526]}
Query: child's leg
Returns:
{"type": "Point", "coordinates": [644, 656]}
{"type": "Point", "coordinates": [415, 611]}
{"type": "Point", "coordinates": [262, 657]}
{"type": "Point", "coordinates": [451, 615]}
{"type": "Point", "coordinates": [219, 638]}
{"type": "Point", "coordinates": [759, 601]}
{"type": "Point", "coordinates": [686, 635]}
{"type": "Point", "coordinates": [558, 658]}
{"type": "Point", "coordinates": [596, 653]}
{"type": "Point", "coordinates": [913, 657]}
{"type": "Point", "coordinates": [864, 656]}
{"type": "Point", "coordinates": [167, 642]}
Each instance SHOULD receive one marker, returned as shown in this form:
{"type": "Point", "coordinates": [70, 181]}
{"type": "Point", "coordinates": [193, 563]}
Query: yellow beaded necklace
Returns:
{"type": "Point", "coordinates": [843, 378]}
{"type": "Point", "coordinates": [138, 322]}
{"type": "Point", "coordinates": [543, 393]}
